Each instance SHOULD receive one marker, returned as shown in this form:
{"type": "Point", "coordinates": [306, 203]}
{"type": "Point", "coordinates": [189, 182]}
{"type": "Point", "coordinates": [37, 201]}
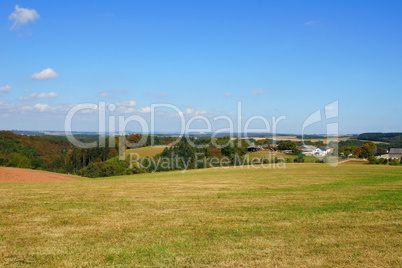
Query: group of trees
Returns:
{"type": "Point", "coordinates": [383, 161]}
{"type": "Point", "coordinates": [365, 150]}
{"type": "Point", "coordinates": [190, 153]}
{"type": "Point", "coordinates": [289, 145]}
{"type": "Point", "coordinates": [31, 151]}
{"type": "Point", "coordinates": [59, 155]}
{"type": "Point", "coordinates": [392, 139]}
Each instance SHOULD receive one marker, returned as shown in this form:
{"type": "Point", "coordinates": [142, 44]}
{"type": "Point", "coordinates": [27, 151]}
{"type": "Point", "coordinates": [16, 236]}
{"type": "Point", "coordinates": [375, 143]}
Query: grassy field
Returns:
{"type": "Point", "coordinates": [305, 215]}
{"type": "Point", "coordinates": [271, 155]}
{"type": "Point", "coordinates": [295, 138]}
{"type": "Point", "coordinates": [148, 151]}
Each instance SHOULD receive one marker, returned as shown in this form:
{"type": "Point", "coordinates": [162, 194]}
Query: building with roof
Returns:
{"type": "Point", "coordinates": [307, 149]}
{"type": "Point", "coordinates": [254, 149]}
{"type": "Point", "coordinates": [395, 153]}
{"type": "Point", "coordinates": [321, 151]}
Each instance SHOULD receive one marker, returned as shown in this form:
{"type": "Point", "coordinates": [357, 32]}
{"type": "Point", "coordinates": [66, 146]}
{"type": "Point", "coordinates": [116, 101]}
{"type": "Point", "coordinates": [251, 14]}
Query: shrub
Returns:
{"type": "Point", "coordinates": [299, 159]}
{"type": "Point", "coordinates": [394, 162]}
{"type": "Point", "coordinates": [383, 161]}
{"type": "Point", "coordinates": [372, 160]}
{"type": "Point", "coordinates": [91, 171]}
{"type": "Point", "coordinates": [19, 161]}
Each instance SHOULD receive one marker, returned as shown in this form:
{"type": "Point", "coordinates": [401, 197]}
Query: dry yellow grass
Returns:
{"type": "Point", "coordinates": [306, 215]}
{"type": "Point", "coordinates": [295, 138]}
{"type": "Point", "coordinates": [148, 151]}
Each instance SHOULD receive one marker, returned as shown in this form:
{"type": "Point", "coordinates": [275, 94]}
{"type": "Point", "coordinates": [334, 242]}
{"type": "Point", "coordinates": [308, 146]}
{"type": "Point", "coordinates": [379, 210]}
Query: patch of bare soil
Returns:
{"type": "Point", "coordinates": [9, 174]}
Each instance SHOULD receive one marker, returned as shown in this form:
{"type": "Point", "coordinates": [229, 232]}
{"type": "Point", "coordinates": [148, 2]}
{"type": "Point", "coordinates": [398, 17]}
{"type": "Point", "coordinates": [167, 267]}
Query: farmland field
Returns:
{"type": "Point", "coordinates": [302, 215]}
{"type": "Point", "coordinates": [148, 151]}
{"type": "Point", "coordinates": [272, 155]}
{"type": "Point", "coordinates": [298, 139]}
{"type": "Point", "coordinates": [12, 175]}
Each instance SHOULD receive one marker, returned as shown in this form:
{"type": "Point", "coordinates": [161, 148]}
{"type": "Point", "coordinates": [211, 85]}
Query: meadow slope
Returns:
{"type": "Point", "coordinates": [12, 175]}
{"type": "Point", "coordinates": [306, 215]}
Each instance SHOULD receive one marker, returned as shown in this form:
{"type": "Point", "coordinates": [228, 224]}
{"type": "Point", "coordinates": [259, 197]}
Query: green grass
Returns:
{"type": "Point", "coordinates": [304, 215]}
{"type": "Point", "coordinates": [271, 155]}
{"type": "Point", "coordinates": [148, 151]}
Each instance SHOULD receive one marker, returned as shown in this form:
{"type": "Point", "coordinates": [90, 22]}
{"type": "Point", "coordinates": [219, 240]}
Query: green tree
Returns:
{"type": "Point", "coordinates": [19, 161]}
{"type": "Point", "coordinates": [288, 145]}
{"type": "Point", "coordinates": [368, 149]}
{"type": "Point", "coordinates": [299, 159]}
{"type": "Point", "coordinates": [372, 160]}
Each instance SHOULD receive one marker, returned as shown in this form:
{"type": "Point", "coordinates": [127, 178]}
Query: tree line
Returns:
{"type": "Point", "coordinates": [57, 154]}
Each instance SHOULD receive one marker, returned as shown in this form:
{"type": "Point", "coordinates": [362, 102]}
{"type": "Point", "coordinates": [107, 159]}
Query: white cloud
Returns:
{"type": "Point", "coordinates": [22, 16]}
{"type": "Point", "coordinates": [6, 106]}
{"type": "Point", "coordinates": [5, 88]}
{"type": "Point", "coordinates": [127, 103]}
{"type": "Point", "coordinates": [43, 107]}
{"type": "Point", "coordinates": [145, 110]}
{"type": "Point", "coordinates": [104, 94]}
{"type": "Point", "coordinates": [35, 96]}
{"type": "Point", "coordinates": [126, 107]}
{"type": "Point", "coordinates": [189, 111]}
{"type": "Point", "coordinates": [311, 22]}
{"type": "Point", "coordinates": [38, 107]}
{"type": "Point", "coordinates": [127, 110]}
{"type": "Point", "coordinates": [48, 95]}
{"type": "Point", "coordinates": [45, 75]}
{"type": "Point", "coordinates": [193, 112]}
{"type": "Point", "coordinates": [85, 109]}
{"type": "Point", "coordinates": [258, 92]}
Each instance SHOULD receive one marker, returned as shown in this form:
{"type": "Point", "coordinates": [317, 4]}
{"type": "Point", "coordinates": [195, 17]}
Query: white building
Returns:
{"type": "Point", "coordinates": [307, 149]}
{"type": "Point", "coordinates": [321, 151]}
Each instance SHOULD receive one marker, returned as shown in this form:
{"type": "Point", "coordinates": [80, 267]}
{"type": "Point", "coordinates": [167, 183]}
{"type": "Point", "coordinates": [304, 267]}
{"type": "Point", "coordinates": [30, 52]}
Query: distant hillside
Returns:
{"type": "Point", "coordinates": [31, 151]}
{"type": "Point", "coordinates": [394, 139]}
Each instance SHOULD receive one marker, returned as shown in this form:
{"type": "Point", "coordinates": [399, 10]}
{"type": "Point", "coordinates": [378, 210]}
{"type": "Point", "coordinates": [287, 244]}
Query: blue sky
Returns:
{"type": "Point", "coordinates": [278, 58]}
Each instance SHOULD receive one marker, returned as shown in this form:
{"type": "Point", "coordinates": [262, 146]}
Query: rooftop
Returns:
{"type": "Point", "coordinates": [307, 148]}
{"type": "Point", "coordinates": [395, 151]}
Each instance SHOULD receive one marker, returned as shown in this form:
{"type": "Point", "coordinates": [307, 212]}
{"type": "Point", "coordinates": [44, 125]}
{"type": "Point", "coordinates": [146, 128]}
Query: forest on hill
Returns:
{"type": "Point", "coordinates": [57, 154]}
{"type": "Point", "coordinates": [394, 139]}
{"type": "Point", "coordinates": [37, 152]}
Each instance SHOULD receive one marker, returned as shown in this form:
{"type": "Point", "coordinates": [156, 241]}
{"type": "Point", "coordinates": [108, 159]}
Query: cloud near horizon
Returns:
{"type": "Point", "coordinates": [46, 74]}
{"type": "Point", "coordinates": [145, 110]}
{"type": "Point", "coordinates": [41, 107]}
{"type": "Point", "coordinates": [126, 107]}
{"type": "Point", "coordinates": [35, 96]}
{"type": "Point", "coordinates": [22, 16]}
{"type": "Point", "coordinates": [6, 88]}
{"type": "Point", "coordinates": [104, 94]}
{"type": "Point", "coordinates": [127, 103]}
